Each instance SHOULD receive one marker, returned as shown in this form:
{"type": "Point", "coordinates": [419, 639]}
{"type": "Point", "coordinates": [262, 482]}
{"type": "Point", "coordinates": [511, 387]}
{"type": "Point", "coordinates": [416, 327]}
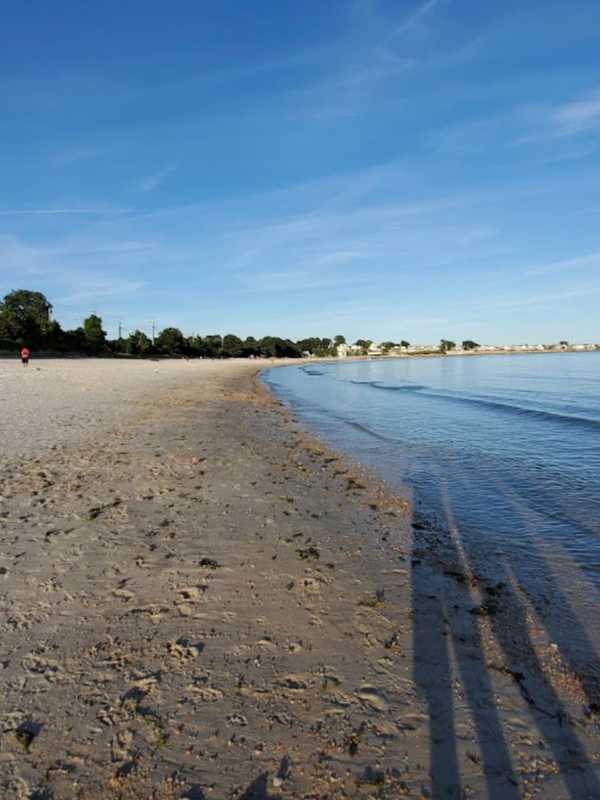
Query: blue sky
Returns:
{"type": "Point", "coordinates": [379, 169]}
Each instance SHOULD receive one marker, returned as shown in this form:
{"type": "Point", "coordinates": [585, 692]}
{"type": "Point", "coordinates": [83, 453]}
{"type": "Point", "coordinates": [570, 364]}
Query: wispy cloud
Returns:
{"type": "Point", "coordinates": [416, 17]}
{"type": "Point", "coordinates": [152, 182]}
{"type": "Point", "coordinates": [371, 55]}
{"type": "Point", "coordinates": [579, 116]}
{"type": "Point", "coordinates": [364, 318]}
{"type": "Point", "coordinates": [590, 260]}
{"type": "Point", "coordinates": [299, 281]}
{"type": "Point", "coordinates": [98, 287]}
{"type": "Point", "coordinates": [547, 298]}
{"type": "Point", "coordinates": [74, 154]}
{"type": "Point", "coordinates": [49, 265]}
{"type": "Point", "coordinates": [20, 212]}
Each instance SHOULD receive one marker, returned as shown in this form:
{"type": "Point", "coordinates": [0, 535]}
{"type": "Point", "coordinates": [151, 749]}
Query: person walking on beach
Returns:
{"type": "Point", "coordinates": [25, 354]}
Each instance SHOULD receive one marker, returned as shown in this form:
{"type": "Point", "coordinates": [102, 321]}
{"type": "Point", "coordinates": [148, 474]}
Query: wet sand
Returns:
{"type": "Point", "coordinates": [198, 600]}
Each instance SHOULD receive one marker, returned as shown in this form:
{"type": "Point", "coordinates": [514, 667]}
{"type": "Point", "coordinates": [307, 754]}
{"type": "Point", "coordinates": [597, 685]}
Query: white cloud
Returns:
{"type": "Point", "coordinates": [590, 260]}
{"type": "Point", "coordinates": [547, 123]}
{"type": "Point", "coordinates": [97, 286]}
{"type": "Point", "coordinates": [24, 263]}
{"type": "Point", "coordinates": [14, 212]}
{"type": "Point", "coordinates": [416, 17]}
{"type": "Point", "coordinates": [152, 182]}
{"type": "Point", "coordinates": [546, 298]}
{"type": "Point", "coordinates": [298, 281]}
{"type": "Point", "coordinates": [579, 116]}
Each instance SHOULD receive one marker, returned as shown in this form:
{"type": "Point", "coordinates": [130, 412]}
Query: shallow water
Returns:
{"type": "Point", "coordinates": [505, 448]}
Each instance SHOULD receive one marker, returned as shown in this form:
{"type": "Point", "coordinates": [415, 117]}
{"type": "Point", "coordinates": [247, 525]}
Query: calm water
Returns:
{"type": "Point", "coordinates": [506, 447]}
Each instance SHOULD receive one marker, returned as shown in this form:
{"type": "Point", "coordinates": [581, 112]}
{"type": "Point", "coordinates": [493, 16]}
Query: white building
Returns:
{"type": "Point", "coordinates": [418, 348]}
{"type": "Point", "coordinates": [345, 350]}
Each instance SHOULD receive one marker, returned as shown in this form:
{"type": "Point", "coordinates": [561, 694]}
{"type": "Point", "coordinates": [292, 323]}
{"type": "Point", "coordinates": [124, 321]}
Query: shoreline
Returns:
{"type": "Point", "coordinates": [49, 356]}
{"type": "Point", "coordinates": [467, 353]}
{"type": "Point", "coordinates": [203, 600]}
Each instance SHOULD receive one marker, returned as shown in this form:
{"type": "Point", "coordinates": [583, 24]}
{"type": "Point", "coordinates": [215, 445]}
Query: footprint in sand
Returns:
{"type": "Point", "coordinates": [124, 594]}
{"type": "Point", "coordinates": [184, 649]}
{"type": "Point", "coordinates": [373, 698]}
{"type": "Point", "coordinates": [237, 719]}
{"type": "Point", "coordinates": [311, 586]}
{"type": "Point", "coordinates": [206, 693]}
{"type": "Point", "coordinates": [297, 683]}
{"type": "Point", "coordinates": [340, 699]}
{"type": "Point", "coordinates": [192, 594]}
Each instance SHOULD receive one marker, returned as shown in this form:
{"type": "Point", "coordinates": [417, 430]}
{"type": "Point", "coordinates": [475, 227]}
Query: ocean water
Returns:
{"type": "Point", "coordinates": [504, 450]}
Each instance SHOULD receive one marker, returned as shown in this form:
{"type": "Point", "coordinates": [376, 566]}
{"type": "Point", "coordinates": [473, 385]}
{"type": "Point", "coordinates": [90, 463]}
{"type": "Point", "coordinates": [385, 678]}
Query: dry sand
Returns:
{"type": "Point", "coordinates": [200, 601]}
{"type": "Point", "coordinates": [53, 401]}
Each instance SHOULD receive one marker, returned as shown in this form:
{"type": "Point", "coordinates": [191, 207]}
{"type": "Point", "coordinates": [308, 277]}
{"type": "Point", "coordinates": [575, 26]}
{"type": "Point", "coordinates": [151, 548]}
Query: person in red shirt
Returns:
{"type": "Point", "coordinates": [25, 356]}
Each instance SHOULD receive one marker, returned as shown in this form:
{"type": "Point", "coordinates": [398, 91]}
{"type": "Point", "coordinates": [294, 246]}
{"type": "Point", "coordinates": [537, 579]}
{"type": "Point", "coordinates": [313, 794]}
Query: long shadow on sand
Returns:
{"type": "Point", "coordinates": [448, 648]}
{"type": "Point", "coordinates": [562, 626]}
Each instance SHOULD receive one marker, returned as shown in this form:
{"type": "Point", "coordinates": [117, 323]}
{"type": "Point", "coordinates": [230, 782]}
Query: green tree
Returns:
{"type": "Point", "coordinates": [55, 336]}
{"type": "Point", "coordinates": [74, 341]}
{"type": "Point", "coordinates": [310, 345]}
{"type": "Point", "coordinates": [170, 341]}
{"type": "Point", "coordinates": [469, 344]}
{"type": "Point", "coordinates": [95, 336]}
{"type": "Point", "coordinates": [274, 347]}
{"type": "Point", "coordinates": [387, 346]}
{"type": "Point", "coordinates": [446, 345]}
{"type": "Point", "coordinates": [404, 343]}
{"type": "Point", "coordinates": [317, 346]}
{"type": "Point", "coordinates": [138, 344]}
{"type": "Point", "coordinates": [364, 345]}
{"type": "Point", "coordinates": [193, 345]}
{"type": "Point", "coordinates": [213, 345]}
{"type": "Point", "coordinates": [25, 317]}
{"type": "Point", "coordinates": [233, 347]}
{"type": "Point", "coordinates": [251, 347]}
{"type": "Point", "coordinates": [339, 339]}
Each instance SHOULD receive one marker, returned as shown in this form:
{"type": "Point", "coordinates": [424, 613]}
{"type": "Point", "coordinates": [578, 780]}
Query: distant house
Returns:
{"type": "Point", "coordinates": [345, 350]}
{"type": "Point", "coordinates": [375, 350]}
{"type": "Point", "coordinates": [419, 348]}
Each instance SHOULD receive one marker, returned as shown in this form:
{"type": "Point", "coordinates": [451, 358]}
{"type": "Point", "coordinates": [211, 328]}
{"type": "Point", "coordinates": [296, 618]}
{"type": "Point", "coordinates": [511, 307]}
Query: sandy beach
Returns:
{"type": "Point", "coordinates": [199, 600]}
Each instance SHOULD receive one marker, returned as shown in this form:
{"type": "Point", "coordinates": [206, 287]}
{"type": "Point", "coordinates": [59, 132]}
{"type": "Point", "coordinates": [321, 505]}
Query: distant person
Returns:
{"type": "Point", "coordinates": [25, 355]}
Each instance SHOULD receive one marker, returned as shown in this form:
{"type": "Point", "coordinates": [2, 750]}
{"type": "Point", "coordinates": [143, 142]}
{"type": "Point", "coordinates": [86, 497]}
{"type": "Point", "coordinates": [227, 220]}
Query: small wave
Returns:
{"type": "Point", "coordinates": [364, 429]}
{"type": "Point", "coordinates": [510, 408]}
{"type": "Point", "coordinates": [309, 371]}
{"type": "Point", "coordinates": [359, 426]}
{"type": "Point", "coordinates": [408, 387]}
{"type": "Point", "coordinates": [405, 387]}
{"type": "Point", "coordinates": [521, 411]}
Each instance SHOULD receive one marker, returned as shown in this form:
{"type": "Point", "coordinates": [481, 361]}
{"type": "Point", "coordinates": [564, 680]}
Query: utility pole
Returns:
{"type": "Point", "coordinates": [120, 327]}
{"type": "Point", "coordinates": [153, 330]}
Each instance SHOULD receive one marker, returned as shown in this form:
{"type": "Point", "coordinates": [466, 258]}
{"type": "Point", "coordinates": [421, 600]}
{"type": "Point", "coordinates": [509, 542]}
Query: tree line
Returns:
{"type": "Point", "coordinates": [26, 319]}
{"type": "Point", "coordinates": [468, 344]}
